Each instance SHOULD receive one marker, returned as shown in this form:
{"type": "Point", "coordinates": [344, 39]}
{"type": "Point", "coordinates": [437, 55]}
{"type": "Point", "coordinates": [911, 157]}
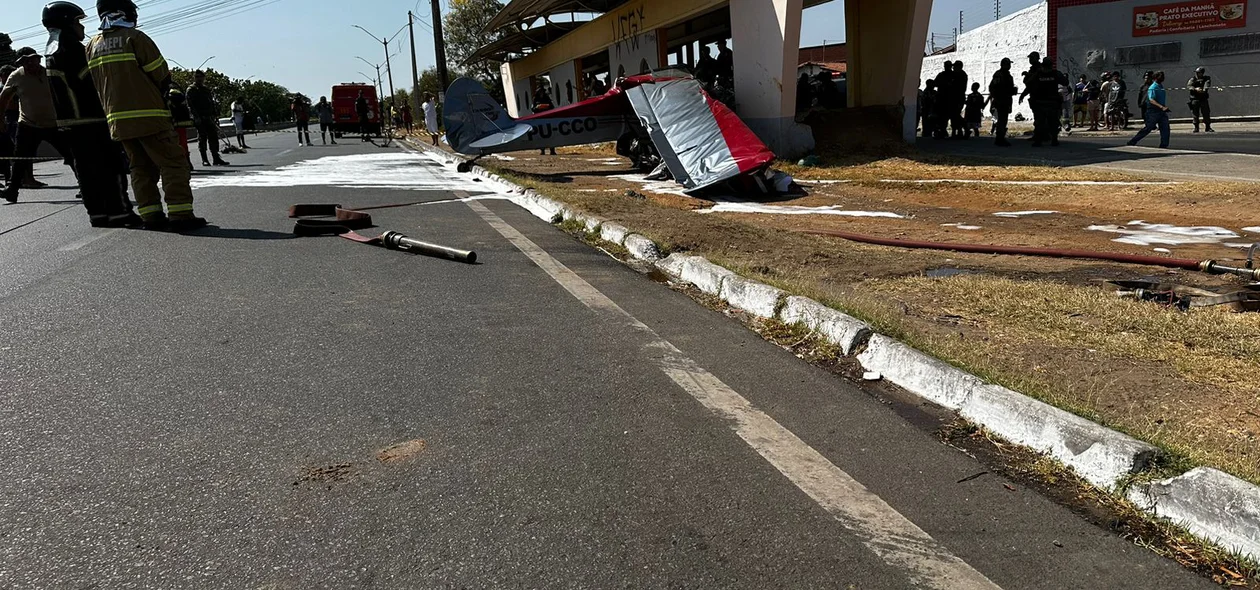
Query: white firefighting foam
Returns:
{"type": "Point", "coordinates": [390, 170]}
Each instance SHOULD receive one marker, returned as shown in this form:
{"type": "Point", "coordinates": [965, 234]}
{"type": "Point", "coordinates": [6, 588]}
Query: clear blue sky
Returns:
{"type": "Point", "coordinates": [309, 45]}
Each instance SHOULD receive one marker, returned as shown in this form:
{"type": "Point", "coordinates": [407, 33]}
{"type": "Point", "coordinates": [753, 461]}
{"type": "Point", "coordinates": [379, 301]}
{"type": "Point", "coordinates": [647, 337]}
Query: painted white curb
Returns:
{"type": "Point", "coordinates": [755, 298]}
{"type": "Point", "coordinates": [673, 264]}
{"type": "Point", "coordinates": [613, 232]}
{"type": "Point", "coordinates": [1098, 454]}
{"type": "Point", "coordinates": [918, 373]}
{"type": "Point", "coordinates": [1209, 503]}
{"type": "Point", "coordinates": [705, 275]}
{"type": "Point", "coordinates": [642, 248]}
{"type": "Point", "coordinates": [840, 329]}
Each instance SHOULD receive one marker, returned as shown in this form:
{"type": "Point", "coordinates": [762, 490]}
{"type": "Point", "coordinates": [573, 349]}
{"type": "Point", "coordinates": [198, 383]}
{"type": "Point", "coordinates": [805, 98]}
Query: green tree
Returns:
{"type": "Point", "coordinates": [462, 29]}
{"type": "Point", "coordinates": [268, 99]}
{"type": "Point", "coordinates": [224, 89]}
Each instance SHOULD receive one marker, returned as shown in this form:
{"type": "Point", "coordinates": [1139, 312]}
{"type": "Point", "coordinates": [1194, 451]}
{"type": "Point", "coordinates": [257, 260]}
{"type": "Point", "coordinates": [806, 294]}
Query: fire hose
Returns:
{"type": "Point", "coordinates": [1208, 266]}
{"type": "Point", "coordinates": [323, 220]}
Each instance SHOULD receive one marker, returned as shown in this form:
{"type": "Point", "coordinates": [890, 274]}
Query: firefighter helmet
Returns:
{"type": "Point", "coordinates": [104, 7]}
{"type": "Point", "coordinates": [60, 15]}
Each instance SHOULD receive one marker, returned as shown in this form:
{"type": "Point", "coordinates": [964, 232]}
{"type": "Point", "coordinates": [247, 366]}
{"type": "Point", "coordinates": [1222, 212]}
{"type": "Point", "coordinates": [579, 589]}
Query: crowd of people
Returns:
{"type": "Point", "coordinates": [947, 110]}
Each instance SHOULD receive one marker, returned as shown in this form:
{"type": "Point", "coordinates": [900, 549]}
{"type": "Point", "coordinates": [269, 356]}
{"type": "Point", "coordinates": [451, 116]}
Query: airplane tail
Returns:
{"type": "Point", "coordinates": [474, 119]}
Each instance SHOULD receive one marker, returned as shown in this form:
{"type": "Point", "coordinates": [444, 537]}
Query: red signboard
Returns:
{"type": "Point", "coordinates": [1189, 17]}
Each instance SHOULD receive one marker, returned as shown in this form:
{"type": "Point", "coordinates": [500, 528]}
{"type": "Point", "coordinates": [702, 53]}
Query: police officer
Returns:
{"type": "Point", "coordinates": [1198, 87]}
{"type": "Point", "coordinates": [1046, 102]}
{"type": "Point", "coordinates": [98, 159]}
{"type": "Point", "coordinates": [205, 116]}
{"type": "Point", "coordinates": [1001, 91]}
{"type": "Point", "coordinates": [132, 79]}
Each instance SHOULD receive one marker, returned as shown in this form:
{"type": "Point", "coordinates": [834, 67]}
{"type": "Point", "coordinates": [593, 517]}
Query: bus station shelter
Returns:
{"type": "Point", "coordinates": [544, 43]}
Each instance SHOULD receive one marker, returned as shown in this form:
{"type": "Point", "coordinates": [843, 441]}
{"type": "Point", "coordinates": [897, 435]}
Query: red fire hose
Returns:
{"type": "Point", "coordinates": [1208, 266]}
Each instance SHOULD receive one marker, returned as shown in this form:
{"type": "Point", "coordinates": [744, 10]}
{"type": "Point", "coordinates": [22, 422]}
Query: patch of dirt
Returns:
{"type": "Point", "coordinates": [326, 475]}
{"type": "Point", "coordinates": [401, 451]}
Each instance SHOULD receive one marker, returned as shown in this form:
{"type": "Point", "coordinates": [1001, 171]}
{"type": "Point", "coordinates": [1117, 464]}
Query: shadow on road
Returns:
{"type": "Point", "coordinates": [234, 233]}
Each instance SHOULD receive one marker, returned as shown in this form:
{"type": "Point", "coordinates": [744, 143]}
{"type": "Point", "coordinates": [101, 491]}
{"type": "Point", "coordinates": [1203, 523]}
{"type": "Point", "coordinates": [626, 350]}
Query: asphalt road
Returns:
{"type": "Point", "coordinates": [205, 411]}
{"type": "Point", "coordinates": [1231, 154]}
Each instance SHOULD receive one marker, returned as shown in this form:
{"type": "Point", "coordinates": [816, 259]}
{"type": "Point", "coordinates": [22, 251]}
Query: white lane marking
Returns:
{"type": "Point", "coordinates": [285, 152]}
{"type": "Point", "coordinates": [881, 528]}
{"type": "Point", "coordinates": [88, 239]}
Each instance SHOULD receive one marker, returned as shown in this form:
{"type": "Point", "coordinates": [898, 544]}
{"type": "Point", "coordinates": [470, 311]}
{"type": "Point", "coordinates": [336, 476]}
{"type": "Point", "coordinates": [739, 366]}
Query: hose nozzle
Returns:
{"type": "Point", "coordinates": [1213, 267]}
{"type": "Point", "coordinates": [396, 241]}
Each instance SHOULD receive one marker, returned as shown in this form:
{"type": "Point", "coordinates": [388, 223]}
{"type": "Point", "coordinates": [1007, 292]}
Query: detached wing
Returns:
{"type": "Point", "coordinates": [701, 141]}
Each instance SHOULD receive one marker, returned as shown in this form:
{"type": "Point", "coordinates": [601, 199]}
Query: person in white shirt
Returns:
{"type": "Point", "coordinates": [238, 119]}
{"type": "Point", "coordinates": [430, 117]}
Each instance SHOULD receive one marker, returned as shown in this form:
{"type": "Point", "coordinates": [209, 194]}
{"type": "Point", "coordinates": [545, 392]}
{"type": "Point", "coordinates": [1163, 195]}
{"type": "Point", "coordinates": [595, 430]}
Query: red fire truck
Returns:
{"type": "Point", "coordinates": [346, 118]}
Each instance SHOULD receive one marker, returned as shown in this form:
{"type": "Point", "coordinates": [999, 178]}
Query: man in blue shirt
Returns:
{"type": "Point", "coordinates": [1156, 112]}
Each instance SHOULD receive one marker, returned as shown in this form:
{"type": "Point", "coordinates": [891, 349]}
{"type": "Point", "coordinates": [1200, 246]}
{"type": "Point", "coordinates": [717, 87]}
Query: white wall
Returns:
{"type": "Point", "coordinates": [629, 53]}
{"type": "Point", "coordinates": [982, 49]}
{"type": "Point", "coordinates": [561, 77]}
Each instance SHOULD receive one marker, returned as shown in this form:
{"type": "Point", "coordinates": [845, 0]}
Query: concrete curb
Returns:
{"type": "Point", "coordinates": [1211, 504]}
{"type": "Point", "coordinates": [1100, 455]}
{"type": "Point", "coordinates": [642, 248]}
{"type": "Point", "coordinates": [849, 333]}
{"type": "Point", "coordinates": [753, 297]}
{"type": "Point", "coordinates": [918, 373]}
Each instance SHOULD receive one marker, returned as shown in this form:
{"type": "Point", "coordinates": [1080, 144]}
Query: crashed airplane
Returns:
{"type": "Point", "coordinates": [653, 119]}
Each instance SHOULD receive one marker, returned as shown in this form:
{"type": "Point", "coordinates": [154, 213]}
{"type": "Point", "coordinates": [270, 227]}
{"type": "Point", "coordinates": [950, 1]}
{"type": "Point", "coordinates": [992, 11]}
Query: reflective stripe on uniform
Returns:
{"type": "Point", "coordinates": [149, 209]}
{"type": "Point", "coordinates": [179, 208]}
{"type": "Point", "coordinates": [109, 59]}
{"type": "Point", "coordinates": [73, 122]}
{"type": "Point", "coordinates": [141, 114]}
{"type": "Point", "coordinates": [155, 64]}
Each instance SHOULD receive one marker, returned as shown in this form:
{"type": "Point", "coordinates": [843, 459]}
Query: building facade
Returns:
{"type": "Point", "coordinates": [1090, 37]}
{"type": "Point", "coordinates": [1134, 36]}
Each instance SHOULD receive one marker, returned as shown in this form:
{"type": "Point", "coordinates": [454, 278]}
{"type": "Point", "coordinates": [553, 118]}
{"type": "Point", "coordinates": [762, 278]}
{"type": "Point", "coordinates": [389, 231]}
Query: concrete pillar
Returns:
{"type": "Point", "coordinates": [514, 89]}
{"type": "Point", "coordinates": [885, 42]}
{"type": "Point", "coordinates": [765, 36]}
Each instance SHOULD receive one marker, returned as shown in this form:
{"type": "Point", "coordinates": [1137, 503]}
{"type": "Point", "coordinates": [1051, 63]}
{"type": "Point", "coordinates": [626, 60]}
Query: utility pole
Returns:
{"type": "Point", "coordinates": [960, 22]}
{"type": "Point", "coordinates": [439, 50]}
{"type": "Point", "coordinates": [415, 76]}
{"type": "Point", "coordinates": [388, 71]}
{"type": "Point", "coordinates": [997, 9]}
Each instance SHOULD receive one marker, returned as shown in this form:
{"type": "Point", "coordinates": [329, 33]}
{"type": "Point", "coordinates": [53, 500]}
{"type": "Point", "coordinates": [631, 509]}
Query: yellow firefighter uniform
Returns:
{"type": "Point", "coordinates": [130, 74]}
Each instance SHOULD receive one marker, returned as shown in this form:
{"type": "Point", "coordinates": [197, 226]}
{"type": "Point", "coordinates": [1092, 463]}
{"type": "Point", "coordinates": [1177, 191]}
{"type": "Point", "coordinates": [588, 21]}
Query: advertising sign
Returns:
{"type": "Point", "coordinates": [1189, 17]}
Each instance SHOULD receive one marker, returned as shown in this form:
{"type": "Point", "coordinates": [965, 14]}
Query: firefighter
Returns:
{"type": "Point", "coordinates": [98, 159]}
{"type": "Point", "coordinates": [132, 78]}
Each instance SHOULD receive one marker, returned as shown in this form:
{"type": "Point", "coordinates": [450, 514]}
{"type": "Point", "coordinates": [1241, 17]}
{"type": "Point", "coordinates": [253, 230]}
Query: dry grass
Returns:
{"type": "Point", "coordinates": [1185, 381]}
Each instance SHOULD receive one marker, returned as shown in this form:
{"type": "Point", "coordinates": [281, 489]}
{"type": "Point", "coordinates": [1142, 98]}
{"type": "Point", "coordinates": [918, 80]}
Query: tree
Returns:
{"type": "Point", "coordinates": [264, 98]}
{"type": "Point", "coordinates": [431, 84]}
{"type": "Point", "coordinates": [462, 29]}
{"type": "Point", "coordinates": [221, 87]}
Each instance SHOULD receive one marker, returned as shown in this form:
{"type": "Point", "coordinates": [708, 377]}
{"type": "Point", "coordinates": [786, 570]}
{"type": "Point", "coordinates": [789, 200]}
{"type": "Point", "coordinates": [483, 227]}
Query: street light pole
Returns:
{"type": "Point", "coordinates": [203, 64]}
{"type": "Point", "coordinates": [388, 71]}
